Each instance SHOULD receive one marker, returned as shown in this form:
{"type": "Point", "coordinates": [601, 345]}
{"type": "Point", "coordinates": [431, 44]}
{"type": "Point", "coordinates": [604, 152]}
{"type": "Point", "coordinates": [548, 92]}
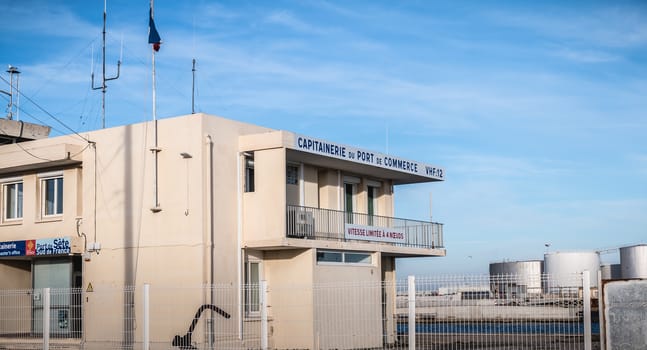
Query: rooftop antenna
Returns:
{"type": "Point", "coordinates": [13, 71]}
{"type": "Point", "coordinates": [193, 89]}
{"type": "Point", "coordinates": [103, 85]}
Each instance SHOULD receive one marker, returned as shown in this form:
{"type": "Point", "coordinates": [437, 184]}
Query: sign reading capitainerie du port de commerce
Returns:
{"type": "Point", "coordinates": [358, 155]}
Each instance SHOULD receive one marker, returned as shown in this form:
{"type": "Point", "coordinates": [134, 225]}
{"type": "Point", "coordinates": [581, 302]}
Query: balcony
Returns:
{"type": "Point", "coordinates": [335, 225]}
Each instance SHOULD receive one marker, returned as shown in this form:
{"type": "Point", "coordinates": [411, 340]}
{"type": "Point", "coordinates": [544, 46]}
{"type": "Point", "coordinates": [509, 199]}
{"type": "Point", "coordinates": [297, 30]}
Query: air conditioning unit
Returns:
{"type": "Point", "coordinates": [304, 224]}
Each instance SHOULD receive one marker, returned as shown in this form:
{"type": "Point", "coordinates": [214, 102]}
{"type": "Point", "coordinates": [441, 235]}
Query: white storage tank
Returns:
{"type": "Point", "coordinates": [564, 270]}
{"type": "Point", "coordinates": [511, 279]}
{"type": "Point", "coordinates": [610, 271]}
{"type": "Point", "coordinates": [633, 261]}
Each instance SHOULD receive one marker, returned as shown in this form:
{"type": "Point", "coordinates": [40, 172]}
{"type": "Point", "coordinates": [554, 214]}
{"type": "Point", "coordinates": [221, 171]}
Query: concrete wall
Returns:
{"type": "Point", "coordinates": [385, 201]}
{"type": "Point", "coordinates": [33, 225]}
{"type": "Point", "coordinates": [225, 182]}
{"type": "Point", "coordinates": [311, 186]}
{"type": "Point", "coordinates": [389, 307]}
{"type": "Point", "coordinates": [264, 209]}
{"type": "Point", "coordinates": [138, 245]}
{"type": "Point", "coordinates": [16, 274]}
{"type": "Point", "coordinates": [290, 276]}
{"type": "Point", "coordinates": [292, 193]}
{"type": "Point", "coordinates": [625, 314]}
{"type": "Point", "coordinates": [167, 248]}
{"type": "Point", "coordinates": [348, 316]}
{"type": "Point", "coordinates": [329, 194]}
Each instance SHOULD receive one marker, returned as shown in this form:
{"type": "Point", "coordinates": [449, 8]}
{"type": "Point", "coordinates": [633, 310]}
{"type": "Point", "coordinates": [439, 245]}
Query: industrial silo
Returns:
{"type": "Point", "coordinates": [513, 279]}
{"type": "Point", "coordinates": [564, 271]}
{"type": "Point", "coordinates": [633, 261]}
{"type": "Point", "coordinates": [610, 271]}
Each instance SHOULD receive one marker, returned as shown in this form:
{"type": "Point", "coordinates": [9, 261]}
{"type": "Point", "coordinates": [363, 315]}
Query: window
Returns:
{"type": "Point", "coordinates": [349, 199]}
{"type": "Point", "coordinates": [328, 256]}
{"type": "Point", "coordinates": [52, 195]}
{"type": "Point", "coordinates": [249, 172]}
{"type": "Point", "coordinates": [372, 203]}
{"type": "Point", "coordinates": [252, 279]}
{"type": "Point", "coordinates": [342, 257]}
{"type": "Point", "coordinates": [292, 174]}
{"type": "Point", "coordinates": [357, 258]}
{"type": "Point", "coordinates": [12, 200]}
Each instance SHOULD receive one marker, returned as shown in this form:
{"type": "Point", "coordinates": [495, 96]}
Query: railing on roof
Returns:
{"type": "Point", "coordinates": [328, 224]}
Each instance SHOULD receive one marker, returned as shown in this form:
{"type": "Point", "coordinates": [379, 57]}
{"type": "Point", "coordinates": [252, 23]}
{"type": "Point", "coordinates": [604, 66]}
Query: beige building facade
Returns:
{"type": "Point", "coordinates": [218, 202]}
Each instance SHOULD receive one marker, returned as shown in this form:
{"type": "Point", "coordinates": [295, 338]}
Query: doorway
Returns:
{"type": "Point", "coordinates": [63, 277]}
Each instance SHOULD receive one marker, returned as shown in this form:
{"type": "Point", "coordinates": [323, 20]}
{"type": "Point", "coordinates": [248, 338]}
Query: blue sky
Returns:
{"type": "Point", "coordinates": [537, 110]}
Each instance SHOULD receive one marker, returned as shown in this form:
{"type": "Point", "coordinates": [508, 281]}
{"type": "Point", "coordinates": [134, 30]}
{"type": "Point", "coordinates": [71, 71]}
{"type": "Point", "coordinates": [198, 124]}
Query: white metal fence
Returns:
{"type": "Point", "coordinates": [445, 312]}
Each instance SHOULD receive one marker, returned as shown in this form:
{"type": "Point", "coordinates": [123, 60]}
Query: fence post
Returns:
{"type": "Point", "coordinates": [603, 345]}
{"type": "Point", "coordinates": [46, 317]}
{"type": "Point", "coordinates": [262, 293]}
{"type": "Point", "coordinates": [146, 317]}
{"type": "Point", "coordinates": [586, 300]}
{"type": "Point", "coordinates": [412, 312]}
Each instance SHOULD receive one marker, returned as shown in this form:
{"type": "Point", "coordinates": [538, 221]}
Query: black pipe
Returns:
{"type": "Point", "coordinates": [184, 342]}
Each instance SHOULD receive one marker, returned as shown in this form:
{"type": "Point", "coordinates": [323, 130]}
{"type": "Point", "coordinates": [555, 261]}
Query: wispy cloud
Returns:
{"type": "Point", "coordinates": [288, 19]}
{"type": "Point", "coordinates": [498, 166]}
{"type": "Point", "coordinates": [586, 56]}
{"type": "Point", "coordinates": [607, 26]}
{"type": "Point", "coordinates": [335, 8]}
{"type": "Point", "coordinates": [49, 20]}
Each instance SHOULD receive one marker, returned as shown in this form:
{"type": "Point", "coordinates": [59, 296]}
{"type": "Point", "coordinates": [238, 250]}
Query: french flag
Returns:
{"type": "Point", "coordinates": [153, 35]}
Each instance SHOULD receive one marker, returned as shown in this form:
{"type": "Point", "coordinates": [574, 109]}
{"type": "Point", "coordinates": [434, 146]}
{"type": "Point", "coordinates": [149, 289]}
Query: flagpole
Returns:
{"type": "Point", "coordinates": [156, 207]}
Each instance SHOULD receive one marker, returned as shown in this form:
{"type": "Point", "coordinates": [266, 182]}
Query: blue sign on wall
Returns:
{"type": "Point", "coordinates": [32, 247]}
{"type": "Point", "coordinates": [14, 248]}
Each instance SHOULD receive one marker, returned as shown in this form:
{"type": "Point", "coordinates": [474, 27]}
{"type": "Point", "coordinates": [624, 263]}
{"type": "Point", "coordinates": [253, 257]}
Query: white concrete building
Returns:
{"type": "Point", "coordinates": [232, 203]}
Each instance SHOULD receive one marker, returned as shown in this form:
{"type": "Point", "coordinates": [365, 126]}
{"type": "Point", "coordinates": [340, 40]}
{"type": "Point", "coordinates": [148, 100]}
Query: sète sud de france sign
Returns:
{"type": "Point", "coordinates": [36, 247]}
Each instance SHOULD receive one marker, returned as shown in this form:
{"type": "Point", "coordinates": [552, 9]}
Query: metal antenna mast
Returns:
{"type": "Point", "coordinates": [103, 85]}
{"type": "Point", "coordinates": [193, 90]}
{"type": "Point", "coordinates": [12, 71]}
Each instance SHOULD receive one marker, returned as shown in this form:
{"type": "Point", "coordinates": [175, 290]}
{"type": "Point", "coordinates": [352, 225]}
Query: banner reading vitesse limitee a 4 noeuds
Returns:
{"type": "Point", "coordinates": [374, 233]}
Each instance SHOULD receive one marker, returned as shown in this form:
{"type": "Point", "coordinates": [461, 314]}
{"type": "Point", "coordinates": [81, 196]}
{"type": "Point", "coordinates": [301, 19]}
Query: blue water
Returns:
{"type": "Point", "coordinates": [499, 328]}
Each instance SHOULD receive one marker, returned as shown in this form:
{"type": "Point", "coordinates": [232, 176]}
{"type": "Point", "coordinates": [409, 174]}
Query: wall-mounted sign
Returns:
{"type": "Point", "coordinates": [374, 233]}
{"type": "Point", "coordinates": [36, 247]}
{"type": "Point", "coordinates": [357, 155]}
{"type": "Point", "coordinates": [13, 248]}
{"type": "Point", "coordinates": [53, 246]}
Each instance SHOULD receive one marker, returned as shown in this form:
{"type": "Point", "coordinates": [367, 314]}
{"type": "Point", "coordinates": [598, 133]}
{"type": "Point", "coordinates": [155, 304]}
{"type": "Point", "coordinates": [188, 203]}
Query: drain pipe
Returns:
{"type": "Point", "coordinates": [210, 235]}
{"type": "Point", "coordinates": [239, 237]}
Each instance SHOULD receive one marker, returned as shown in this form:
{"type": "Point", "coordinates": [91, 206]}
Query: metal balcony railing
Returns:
{"type": "Point", "coordinates": [327, 224]}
